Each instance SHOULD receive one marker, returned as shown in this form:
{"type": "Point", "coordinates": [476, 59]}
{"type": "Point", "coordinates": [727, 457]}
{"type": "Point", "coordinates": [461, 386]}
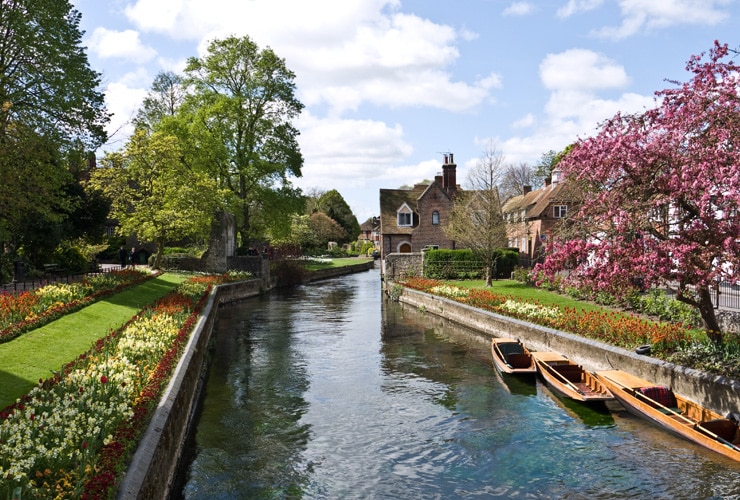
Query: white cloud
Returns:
{"type": "Point", "coordinates": [519, 9]}
{"type": "Point", "coordinates": [125, 44]}
{"type": "Point", "coordinates": [526, 121]}
{"type": "Point", "coordinates": [349, 152]}
{"type": "Point", "coordinates": [576, 6]}
{"type": "Point", "coordinates": [123, 101]}
{"type": "Point", "coordinates": [660, 14]}
{"type": "Point", "coordinates": [344, 55]}
{"type": "Point", "coordinates": [581, 69]}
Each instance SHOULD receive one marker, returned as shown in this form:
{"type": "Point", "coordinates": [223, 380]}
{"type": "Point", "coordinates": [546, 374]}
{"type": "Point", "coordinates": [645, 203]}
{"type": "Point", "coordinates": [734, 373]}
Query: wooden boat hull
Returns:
{"type": "Point", "coordinates": [569, 379]}
{"type": "Point", "coordinates": [689, 420]}
{"type": "Point", "coordinates": [512, 357]}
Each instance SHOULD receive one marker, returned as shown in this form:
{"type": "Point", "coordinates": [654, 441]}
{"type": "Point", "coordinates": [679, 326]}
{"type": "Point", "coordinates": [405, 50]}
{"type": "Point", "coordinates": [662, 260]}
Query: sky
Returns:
{"type": "Point", "coordinates": [391, 86]}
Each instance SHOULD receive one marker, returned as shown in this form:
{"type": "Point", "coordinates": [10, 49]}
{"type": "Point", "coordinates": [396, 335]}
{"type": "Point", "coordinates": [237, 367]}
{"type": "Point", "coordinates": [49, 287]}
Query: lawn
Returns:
{"type": "Point", "coordinates": [317, 264]}
{"type": "Point", "coordinates": [521, 291]}
{"type": "Point", "coordinates": [36, 354]}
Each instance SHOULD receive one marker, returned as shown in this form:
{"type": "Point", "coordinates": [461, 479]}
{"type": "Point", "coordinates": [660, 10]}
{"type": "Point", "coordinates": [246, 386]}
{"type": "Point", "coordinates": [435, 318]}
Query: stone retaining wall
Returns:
{"type": "Point", "coordinates": [712, 391]}
{"type": "Point", "coordinates": [154, 466]}
{"type": "Point", "coordinates": [153, 470]}
{"type": "Point", "coordinates": [334, 272]}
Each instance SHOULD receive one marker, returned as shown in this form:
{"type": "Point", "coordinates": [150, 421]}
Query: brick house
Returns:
{"type": "Point", "coordinates": [370, 231]}
{"type": "Point", "coordinates": [533, 216]}
{"type": "Point", "coordinates": [412, 219]}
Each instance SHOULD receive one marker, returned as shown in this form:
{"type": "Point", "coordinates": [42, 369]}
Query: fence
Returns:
{"type": "Point", "coordinates": [51, 277]}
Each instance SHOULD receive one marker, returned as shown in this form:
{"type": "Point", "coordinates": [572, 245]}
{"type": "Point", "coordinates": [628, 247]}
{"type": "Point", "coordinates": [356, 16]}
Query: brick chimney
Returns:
{"type": "Point", "coordinates": [449, 176]}
{"type": "Point", "coordinates": [526, 189]}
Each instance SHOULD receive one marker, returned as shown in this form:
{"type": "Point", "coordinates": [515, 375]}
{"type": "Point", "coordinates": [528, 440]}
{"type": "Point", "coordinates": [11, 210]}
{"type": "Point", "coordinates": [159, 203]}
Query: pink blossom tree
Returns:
{"type": "Point", "coordinates": [661, 193]}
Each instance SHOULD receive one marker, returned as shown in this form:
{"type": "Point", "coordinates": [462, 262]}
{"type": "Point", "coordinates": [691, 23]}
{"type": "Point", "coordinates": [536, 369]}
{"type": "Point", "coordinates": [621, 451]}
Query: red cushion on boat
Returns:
{"type": "Point", "coordinates": [660, 394]}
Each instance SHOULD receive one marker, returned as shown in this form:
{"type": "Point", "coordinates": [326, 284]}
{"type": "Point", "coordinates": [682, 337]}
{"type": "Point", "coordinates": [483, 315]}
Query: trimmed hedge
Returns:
{"type": "Point", "coordinates": [463, 264]}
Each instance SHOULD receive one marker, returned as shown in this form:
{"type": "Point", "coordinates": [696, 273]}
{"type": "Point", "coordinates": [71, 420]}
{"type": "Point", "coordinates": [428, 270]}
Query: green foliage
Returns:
{"type": "Point", "coordinates": [657, 303]}
{"type": "Point", "coordinates": [395, 292]}
{"type": "Point", "coordinates": [71, 259]}
{"type": "Point", "coordinates": [235, 125]}
{"type": "Point", "coordinates": [523, 275]}
{"type": "Point", "coordinates": [714, 357]}
{"type": "Point", "coordinates": [334, 206]}
{"type": "Point", "coordinates": [452, 264]}
{"type": "Point", "coordinates": [465, 264]}
{"type": "Point", "coordinates": [153, 193]}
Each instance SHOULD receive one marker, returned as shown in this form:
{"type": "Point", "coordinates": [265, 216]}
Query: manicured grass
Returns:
{"type": "Point", "coordinates": [36, 354]}
{"type": "Point", "coordinates": [525, 292]}
{"type": "Point", "coordinates": [314, 265]}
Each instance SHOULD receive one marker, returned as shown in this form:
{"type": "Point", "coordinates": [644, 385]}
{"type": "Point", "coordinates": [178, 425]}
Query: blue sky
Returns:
{"type": "Point", "coordinates": [391, 85]}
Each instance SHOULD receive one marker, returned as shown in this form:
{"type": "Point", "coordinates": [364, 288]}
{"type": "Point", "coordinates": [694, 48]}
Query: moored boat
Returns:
{"type": "Point", "coordinates": [677, 414]}
{"type": "Point", "coordinates": [512, 357]}
{"type": "Point", "coordinates": [570, 379]}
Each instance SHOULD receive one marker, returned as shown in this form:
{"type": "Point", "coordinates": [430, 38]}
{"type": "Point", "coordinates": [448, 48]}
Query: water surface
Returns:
{"type": "Point", "coordinates": [329, 391]}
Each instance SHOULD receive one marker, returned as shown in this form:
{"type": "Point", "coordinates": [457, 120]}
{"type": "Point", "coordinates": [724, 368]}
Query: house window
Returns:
{"type": "Point", "coordinates": [435, 217]}
{"type": "Point", "coordinates": [405, 216]}
{"type": "Point", "coordinates": [560, 211]}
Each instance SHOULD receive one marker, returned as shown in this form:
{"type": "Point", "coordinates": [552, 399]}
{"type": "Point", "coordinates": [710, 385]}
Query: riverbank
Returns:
{"type": "Point", "coordinates": [712, 391]}
{"type": "Point", "coordinates": [153, 471]}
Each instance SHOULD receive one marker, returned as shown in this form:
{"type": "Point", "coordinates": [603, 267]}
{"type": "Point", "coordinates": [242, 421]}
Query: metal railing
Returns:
{"type": "Point", "coordinates": [52, 278]}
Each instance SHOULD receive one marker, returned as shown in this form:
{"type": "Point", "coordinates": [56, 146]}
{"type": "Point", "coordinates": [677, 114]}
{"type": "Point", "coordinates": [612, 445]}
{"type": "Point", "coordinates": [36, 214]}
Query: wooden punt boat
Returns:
{"type": "Point", "coordinates": [569, 379]}
{"type": "Point", "coordinates": [510, 356]}
{"type": "Point", "coordinates": [678, 415]}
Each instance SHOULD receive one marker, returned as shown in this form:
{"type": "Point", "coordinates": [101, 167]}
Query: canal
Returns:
{"type": "Point", "coordinates": [330, 391]}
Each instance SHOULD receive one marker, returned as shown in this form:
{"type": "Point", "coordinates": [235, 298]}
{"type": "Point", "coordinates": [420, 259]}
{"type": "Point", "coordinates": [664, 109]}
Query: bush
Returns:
{"type": "Point", "coordinates": [71, 259]}
{"type": "Point", "coordinates": [465, 265]}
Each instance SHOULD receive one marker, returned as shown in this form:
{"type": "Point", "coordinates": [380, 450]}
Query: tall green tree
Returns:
{"type": "Point", "coordinates": [164, 99]}
{"type": "Point", "coordinates": [476, 220]}
{"type": "Point", "coordinates": [240, 114]}
{"type": "Point", "coordinates": [332, 204]}
{"type": "Point", "coordinates": [51, 110]}
{"type": "Point", "coordinates": [154, 194]}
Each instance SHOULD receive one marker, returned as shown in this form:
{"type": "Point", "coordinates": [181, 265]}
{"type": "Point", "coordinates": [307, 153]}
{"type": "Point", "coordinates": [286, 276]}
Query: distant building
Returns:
{"type": "Point", "coordinates": [412, 219]}
{"type": "Point", "coordinates": [533, 216]}
{"type": "Point", "coordinates": [370, 231]}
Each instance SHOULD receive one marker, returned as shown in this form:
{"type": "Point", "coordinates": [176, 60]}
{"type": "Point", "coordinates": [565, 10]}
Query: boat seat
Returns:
{"type": "Point", "coordinates": [508, 348]}
{"type": "Point", "coordinates": [572, 373]}
{"type": "Point", "coordinates": [726, 429]}
{"type": "Point", "coordinates": [519, 360]}
{"type": "Point", "coordinates": [659, 394]}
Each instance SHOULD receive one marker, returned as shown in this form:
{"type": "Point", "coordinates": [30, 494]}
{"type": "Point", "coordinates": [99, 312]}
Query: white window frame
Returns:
{"type": "Point", "coordinates": [559, 211]}
{"type": "Point", "coordinates": [406, 211]}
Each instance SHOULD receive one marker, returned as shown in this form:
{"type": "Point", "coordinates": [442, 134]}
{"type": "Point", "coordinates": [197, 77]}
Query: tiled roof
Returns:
{"type": "Point", "coordinates": [391, 200]}
{"type": "Point", "coordinates": [535, 202]}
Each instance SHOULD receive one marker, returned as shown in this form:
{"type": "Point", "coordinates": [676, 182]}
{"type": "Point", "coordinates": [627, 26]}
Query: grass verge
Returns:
{"type": "Point", "coordinates": [36, 354]}
{"type": "Point", "coordinates": [315, 265]}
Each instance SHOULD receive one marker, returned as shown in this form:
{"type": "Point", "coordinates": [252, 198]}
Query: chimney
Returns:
{"type": "Point", "coordinates": [557, 176]}
{"type": "Point", "coordinates": [449, 177]}
{"type": "Point", "coordinates": [526, 189]}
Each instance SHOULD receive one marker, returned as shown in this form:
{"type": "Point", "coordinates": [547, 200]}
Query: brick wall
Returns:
{"type": "Point", "coordinates": [427, 233]}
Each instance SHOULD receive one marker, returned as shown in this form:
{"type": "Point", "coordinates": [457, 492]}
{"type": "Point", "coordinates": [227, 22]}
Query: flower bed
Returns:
{"type": "Point", "coordinates": [71, 436]}
{"type": "Point", "coordinates": [622, 330]}
{"type": "Point", "coordinates": [25, 311]}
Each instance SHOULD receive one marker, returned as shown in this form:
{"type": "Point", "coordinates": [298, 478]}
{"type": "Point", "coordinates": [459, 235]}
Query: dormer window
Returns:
{"type": "Point", "coordinates": [560, 211]}
{"type": "Point", "coordinates": [405, 216]}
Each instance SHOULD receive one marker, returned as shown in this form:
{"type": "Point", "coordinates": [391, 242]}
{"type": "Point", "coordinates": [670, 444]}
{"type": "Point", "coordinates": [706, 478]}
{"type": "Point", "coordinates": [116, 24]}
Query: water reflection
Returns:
{"type": "Point", "coordinates": [328, 391]}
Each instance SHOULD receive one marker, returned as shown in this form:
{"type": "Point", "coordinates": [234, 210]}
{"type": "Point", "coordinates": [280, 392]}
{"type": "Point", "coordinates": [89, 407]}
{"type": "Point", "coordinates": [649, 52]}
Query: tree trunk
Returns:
{"type": "Point", "coordinates": [706, 308]}
{"type": "Point", "coordinates": [488, 276]}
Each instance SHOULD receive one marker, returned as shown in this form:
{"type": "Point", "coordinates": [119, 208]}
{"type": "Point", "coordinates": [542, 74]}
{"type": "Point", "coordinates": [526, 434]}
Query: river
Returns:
{"type": "Point", "coordinates": [330, 391]}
